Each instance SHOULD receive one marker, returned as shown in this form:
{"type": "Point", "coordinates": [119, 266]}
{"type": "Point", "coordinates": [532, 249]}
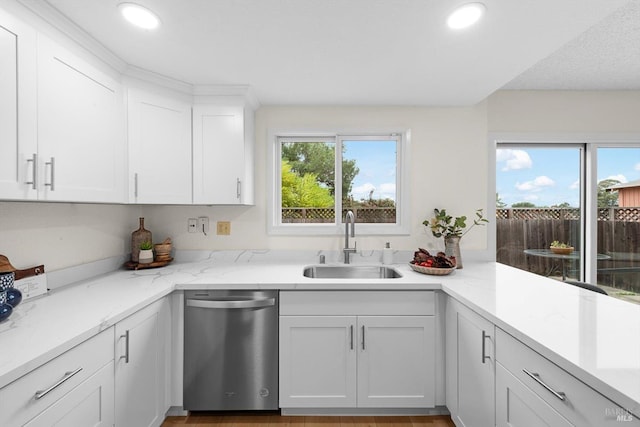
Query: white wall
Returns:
{"type": "Point", "coordinates": [61, 235]}
{"type": "Point", "coordinates": [564, 111]}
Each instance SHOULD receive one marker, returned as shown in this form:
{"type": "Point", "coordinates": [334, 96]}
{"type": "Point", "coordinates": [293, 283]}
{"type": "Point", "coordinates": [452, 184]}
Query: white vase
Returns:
{"type": "Point", "coordinates": [452, 248]}
{"type": "Point", "coordinates": [146, 256]}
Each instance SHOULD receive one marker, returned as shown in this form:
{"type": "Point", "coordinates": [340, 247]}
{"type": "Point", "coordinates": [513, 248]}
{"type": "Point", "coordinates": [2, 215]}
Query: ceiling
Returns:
{"type": "Point", "coordinates": [373, 52]}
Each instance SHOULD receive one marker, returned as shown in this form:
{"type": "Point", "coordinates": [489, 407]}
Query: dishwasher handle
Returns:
{"type": "Point", "coordinates": [255, 303]}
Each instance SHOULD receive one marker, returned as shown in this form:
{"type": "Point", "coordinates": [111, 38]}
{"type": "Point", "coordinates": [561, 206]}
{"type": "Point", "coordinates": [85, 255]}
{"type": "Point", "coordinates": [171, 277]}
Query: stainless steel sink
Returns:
{"type": "Point", "coordinates": [350, 272]}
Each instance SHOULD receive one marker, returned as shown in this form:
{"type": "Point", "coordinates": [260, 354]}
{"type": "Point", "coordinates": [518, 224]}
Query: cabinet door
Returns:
{"type": "Point", "coordinates": [470, 366]}
{"type": "Point", "coordinates": [81, 140]}
{"type": "Point", "coordinates": [396, 361]}
{"type": "Point", "coordinates": [218, 155]}
{"type": "Point", "coordinates": [140, 368]}
{"type": "Point", "coordinates": [518, 406]}
{"type": "Point", "coordinates": [89, 404]}
{"type": "Point", "coordinates": [18, 144]}
{"type": "Point", "coordinates": [317, 361]}
{"type": "Point", "coordinates": [159, 131]}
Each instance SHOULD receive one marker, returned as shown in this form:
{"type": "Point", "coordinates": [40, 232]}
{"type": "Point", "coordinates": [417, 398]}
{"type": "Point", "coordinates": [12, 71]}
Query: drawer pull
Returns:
{"type": "Point", "coordinates": [484, 354]}
{"type": "Point", "coordinates": [351, 332]}
{"type": "Point", "coordinates": [126, 346]}
{"type": "Point", "coordinates": [536, 377]}
{"type": "Point", "coordinates": [67, 376]}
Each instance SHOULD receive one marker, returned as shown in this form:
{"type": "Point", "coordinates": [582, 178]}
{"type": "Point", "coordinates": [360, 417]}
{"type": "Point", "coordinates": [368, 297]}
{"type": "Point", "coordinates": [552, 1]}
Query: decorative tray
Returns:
{"type": "Point", "coordinates": [155, 264]}
{"type": "Point", "coordinates": [434, 271]}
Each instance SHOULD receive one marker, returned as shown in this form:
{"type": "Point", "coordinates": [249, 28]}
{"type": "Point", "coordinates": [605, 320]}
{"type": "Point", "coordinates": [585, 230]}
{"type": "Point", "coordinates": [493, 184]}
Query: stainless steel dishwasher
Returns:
{"type": "Point", "coordinates": [230, 350]}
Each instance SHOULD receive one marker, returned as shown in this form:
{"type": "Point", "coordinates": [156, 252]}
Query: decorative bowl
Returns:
{"type": "Point", "coordinates": [434, 271]}
{"type": "Point", "coordinates": [561, 251]}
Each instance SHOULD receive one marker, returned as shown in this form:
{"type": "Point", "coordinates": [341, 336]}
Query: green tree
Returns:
{"type": "Point", "coordinates": [607, 199]}
{"type": "Point", "coordinates": [303, 191]}
{"type": "Point", "coordinates": [562, 205]}
{"type": "Point", "coordinates": [499, 203]}
{"type": "Point", "coordinates": [318, 158]}
{"type": "Point", "coordinates": [523, 205]}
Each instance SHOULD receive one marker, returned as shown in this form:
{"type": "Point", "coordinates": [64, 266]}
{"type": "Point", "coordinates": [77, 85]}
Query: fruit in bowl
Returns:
{"type": "Point", "coordinates": [423, 258]}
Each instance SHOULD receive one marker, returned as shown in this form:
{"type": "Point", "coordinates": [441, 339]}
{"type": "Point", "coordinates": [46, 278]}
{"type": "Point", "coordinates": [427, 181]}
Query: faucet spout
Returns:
{"type": "Point", "coordinates": [349, 218]}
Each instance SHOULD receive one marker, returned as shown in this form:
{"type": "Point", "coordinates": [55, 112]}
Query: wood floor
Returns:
{"type": "Point", "coordinates": [276, 420]}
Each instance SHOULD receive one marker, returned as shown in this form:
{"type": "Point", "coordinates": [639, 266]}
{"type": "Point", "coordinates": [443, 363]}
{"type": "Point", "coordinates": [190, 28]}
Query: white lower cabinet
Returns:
{"type": "Point", "coordinates": [470, 367]}
{"type": "Point", "coordinates": [358, 360]}
{"type": "Point", "coordinates": [518, 406]}
{"type": "Point", "coordinates": [533, 391]}
{"type": "Point", "coordinates": [140, 374]}
{"type": "Point", "coordinates": [74, 389]}
{"type": "Point", "coordinates": [90, 404]}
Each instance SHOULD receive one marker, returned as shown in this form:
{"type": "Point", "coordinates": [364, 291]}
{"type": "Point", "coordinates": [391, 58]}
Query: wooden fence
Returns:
{"type": "Point", "coordinates": [323, 215]}
{"type": "Point", "coordinates": [535, 228]}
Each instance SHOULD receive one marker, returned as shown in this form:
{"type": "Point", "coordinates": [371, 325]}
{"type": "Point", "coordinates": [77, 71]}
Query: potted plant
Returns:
{"type": "Point", "coordinates": [146, 253]}
{"type": "Point", "coordinates": [558, 247]}
{"type": "Point", "coordinates": [452, 229]}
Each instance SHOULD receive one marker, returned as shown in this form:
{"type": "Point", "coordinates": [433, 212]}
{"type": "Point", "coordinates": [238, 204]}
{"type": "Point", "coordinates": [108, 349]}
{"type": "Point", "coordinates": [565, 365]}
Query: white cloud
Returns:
{"type": "Point", "coordinates": [623, 179]}
{"type": "Point", "coordinates": [362, 191]}
{"type": "Point", "coordinates": [575, 185]}
{"type": "Point", "coordinates": [536, 185]}
{"type": "Point", "coordinates": [387, 189]}
{"type": "Point", "coordinates": [513, 159]}
{"type": "Point", "coordinates": [531, 198]}
{"type": "Point", "coordinates": [637, 167]}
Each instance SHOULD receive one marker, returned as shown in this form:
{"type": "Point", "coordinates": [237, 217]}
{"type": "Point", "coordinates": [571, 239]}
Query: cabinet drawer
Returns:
{"type": "Point", "coordinates": [574, 400]}
{"type": "Point", "coordinates": [18, 400]}
{"type": "Point", "coordinates": [357, 303]}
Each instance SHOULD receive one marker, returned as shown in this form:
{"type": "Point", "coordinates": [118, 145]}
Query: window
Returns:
{"type": "Point", "coordinates": [316, 179]}
{"type": "Point", "coordinates": [585, 195]}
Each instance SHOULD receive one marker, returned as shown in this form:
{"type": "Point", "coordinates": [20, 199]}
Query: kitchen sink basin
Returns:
{"type": "Point", "coordinates": [350, 272]}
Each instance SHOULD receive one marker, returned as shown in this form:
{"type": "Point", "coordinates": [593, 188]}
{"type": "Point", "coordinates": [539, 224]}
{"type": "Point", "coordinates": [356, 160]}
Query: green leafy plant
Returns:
{"type": "Point", "coordinates": [145, 246]}
{"type": "Point", "coordinates": [444, 225]}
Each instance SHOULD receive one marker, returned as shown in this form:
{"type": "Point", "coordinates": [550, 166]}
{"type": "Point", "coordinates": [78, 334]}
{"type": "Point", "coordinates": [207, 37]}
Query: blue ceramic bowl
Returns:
{"type": "Point", "coordinates": [5, 311]}
{"type": "Point", "coordinates": [14, 296]}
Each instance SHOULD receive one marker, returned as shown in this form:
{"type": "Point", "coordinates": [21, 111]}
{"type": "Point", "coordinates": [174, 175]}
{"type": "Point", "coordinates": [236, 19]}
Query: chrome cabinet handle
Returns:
{"type": "Point", "coordinates": [363, 347]}
{"type": "Point", "coordinates": [198, 303]}
{"type": "Point", "coordinates": [51, 184]}
{"type": "Point", "coordinates": [34, 172]}
{"type": "Point", "coordinates": [126, 346]}
{"type": "Point", "coordinates": [67, 376]}
{"type": "Point", "coordinates": [351, 335]}
{"type": "Point", "coordinates": [238, 187]}
{"type": "Point", "coordinates": [135, 185]}
{"type": "Point", "coordinates": [536, 377]}
{"type": "Point", "coordinates": [484, 354]}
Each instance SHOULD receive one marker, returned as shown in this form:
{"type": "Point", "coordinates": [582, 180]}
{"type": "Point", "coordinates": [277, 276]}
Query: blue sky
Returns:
{"type": "Point", "coordinates": [550, 176]}
{"type": "Point", "coordinates": [377, 163]}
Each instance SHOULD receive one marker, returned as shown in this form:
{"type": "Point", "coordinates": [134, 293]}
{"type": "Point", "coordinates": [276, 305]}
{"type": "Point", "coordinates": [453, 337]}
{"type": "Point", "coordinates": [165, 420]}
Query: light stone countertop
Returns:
{"type": "Point", "coordinates": [594, 337]}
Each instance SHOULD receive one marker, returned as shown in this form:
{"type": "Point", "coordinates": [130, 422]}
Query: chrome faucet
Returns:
{"type": "Point", "coordinates": [349, 218]}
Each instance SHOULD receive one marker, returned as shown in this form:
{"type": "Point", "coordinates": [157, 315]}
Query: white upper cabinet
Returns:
{"type": "Point", "coordinates": [81, 144]}
{"type": "Point", "coordinates": [18, 144]}
{"type": "Point", "coordinates": [159, 130]}
{"type": "Point", "coordinates": [223, 140]}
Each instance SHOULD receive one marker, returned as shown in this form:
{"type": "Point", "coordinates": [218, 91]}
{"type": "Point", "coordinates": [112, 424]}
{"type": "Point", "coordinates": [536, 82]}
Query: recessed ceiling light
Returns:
{"type": "Point", "coordinates": [139, 16]}
{"type": "Point", "coordinates": [466, 15]}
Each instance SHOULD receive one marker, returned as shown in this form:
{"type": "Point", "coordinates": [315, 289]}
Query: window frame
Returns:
{"type": "Point", "coordinates": [589, 170]}
{"type": "Point", "coordinates": [274, 196]}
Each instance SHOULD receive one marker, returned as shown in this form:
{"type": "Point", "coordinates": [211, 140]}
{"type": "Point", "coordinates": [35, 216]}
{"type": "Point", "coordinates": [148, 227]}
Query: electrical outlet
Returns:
{"type": "Point", "coordinates": [223, 228]}
{"type": "Point", "coordinates": [192, 225]}
{"type": "Point", "coordinates": [203, 224]}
